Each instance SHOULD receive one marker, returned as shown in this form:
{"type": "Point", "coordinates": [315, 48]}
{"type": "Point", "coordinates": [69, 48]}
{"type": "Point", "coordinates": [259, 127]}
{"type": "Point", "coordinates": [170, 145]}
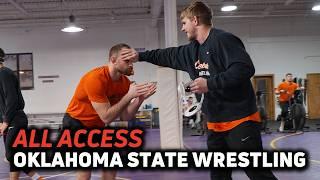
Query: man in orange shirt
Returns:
{"type": "Point", "coordinates": [285, 91]}
{"type": "Point", "coordinates": [104, 94]}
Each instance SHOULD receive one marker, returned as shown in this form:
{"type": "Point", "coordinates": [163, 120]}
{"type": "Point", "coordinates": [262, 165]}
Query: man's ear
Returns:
{"type": "Point", "coordinates": [113, 59]}
{"type": "Point", "coordinates": [195, 20]}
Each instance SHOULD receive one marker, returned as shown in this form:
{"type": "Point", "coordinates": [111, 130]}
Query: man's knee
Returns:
{"type": "Point", "coordinates": [109, 174]}
{"type": "Point", "coordinates": [14, 175]}
{"type": "Point", "coordinates": [83, 175]}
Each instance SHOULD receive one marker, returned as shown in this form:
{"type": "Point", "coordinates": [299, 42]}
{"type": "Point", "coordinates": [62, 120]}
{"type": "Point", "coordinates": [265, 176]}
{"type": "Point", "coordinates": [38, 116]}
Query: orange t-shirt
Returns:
{"type": "Point", "coordinates": [96, 86]}
{"type": "Point", "coordinates": [289, 90]}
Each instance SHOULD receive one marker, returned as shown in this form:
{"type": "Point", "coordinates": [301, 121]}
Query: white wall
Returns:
{"type": "Point", "coordinates": [70, 56]}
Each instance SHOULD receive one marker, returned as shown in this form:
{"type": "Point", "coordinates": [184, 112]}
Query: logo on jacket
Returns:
{"type": "Point", "coordinates": [203, 67]}
{"type": "Point", "coordinates": [199, 65]}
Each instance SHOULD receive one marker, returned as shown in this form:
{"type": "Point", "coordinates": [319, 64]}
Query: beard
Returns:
{"type": "Point", "coordinates": [191, 35]}
{"type": "Point", "coordinates": [191, 38]}
{"type": "Point", "coordinates": [128, 71]}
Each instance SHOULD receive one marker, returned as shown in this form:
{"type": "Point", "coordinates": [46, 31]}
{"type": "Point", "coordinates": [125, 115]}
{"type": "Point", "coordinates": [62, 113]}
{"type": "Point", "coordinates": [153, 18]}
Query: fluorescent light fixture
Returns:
{"type": "Point", "coordinates": [316, 7]}
{"type": "Point", "coordinates": [21, 72]}
{"type": "Point", "coordinates": [229, 8]}
{"type": "Point", "coordinates": [72, 28]}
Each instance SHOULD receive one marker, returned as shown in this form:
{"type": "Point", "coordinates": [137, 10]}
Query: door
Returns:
{"type": "Point", "coordinates": [264, 83]}
{"type": "Point", "coordinates": [313, 94]}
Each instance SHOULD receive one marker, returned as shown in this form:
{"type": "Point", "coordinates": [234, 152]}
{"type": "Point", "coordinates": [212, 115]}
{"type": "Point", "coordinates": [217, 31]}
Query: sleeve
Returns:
{"type": "Point", "coordinates": [280, 87]}
{"type": "Point", "coordinates": [95, 89]}
{"type": "Point", "coordinates": [237, 62]}
{"type": "Point", "coordinates": [1, 120]}
{"type": "Point", "coordinates": [9, 89]}
{"type": "Point", "coordinates": [2, 104]}
{"type": "Point", "coordinates": [174, 57]}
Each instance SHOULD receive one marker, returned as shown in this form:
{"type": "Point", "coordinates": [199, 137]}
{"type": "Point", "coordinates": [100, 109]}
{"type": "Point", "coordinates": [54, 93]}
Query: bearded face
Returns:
{"type": "Point", "coordinates": [126, 70]}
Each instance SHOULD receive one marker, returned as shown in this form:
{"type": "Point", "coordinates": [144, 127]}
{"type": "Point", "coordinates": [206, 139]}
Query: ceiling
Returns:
{"type": "Point", "coordinates": [20, 13]}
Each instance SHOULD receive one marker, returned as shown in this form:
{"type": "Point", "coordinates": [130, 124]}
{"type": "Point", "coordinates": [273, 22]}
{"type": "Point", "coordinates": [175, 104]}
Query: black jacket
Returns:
{"type": "Point", "coordinates": [11, 100]}
{"type": "Point", "coordinates": [223, 60]}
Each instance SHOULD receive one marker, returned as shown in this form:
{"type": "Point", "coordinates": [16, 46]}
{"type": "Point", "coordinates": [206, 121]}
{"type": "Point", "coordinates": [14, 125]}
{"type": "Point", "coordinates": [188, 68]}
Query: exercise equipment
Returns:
{"type": "Point", "coordinates": [296, 111]}
{"type": "Point", "coordinates": [296, 116]}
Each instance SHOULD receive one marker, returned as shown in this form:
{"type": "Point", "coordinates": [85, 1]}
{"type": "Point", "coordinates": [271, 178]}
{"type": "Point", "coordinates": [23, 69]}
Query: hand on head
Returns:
{"type": "Point", "coordinates": [129, 54]}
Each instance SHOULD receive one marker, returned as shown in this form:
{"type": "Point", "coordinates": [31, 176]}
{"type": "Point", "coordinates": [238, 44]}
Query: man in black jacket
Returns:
{"type": "Point", "coordinates": [12, 117]}
{"type": "Point", "coordinates": [220, 67]}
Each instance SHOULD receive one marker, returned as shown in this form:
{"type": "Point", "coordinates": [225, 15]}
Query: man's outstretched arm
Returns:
{"type": "Point", "coordinates": [175, 57]}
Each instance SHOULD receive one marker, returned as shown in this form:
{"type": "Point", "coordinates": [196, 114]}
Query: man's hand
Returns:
{"type": "Point", "coordinates": [129, 54]}
{"type": "Point", "coordinates": [152, 87]}
{"type": "Point", "coordinates": [199, 86]}
{"type": "Point", "coordinates": [137, 90]}
{"type": "Point", "coordinates": [146, 91]}
{"type": "Point", "coordinates": [3, 127]}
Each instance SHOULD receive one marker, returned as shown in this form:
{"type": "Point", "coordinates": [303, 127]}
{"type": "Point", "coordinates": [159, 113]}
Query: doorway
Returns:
{"type": "Point", "coordinates": [264, 83]}
{"type": "Point", "coordinates": [313, 94]}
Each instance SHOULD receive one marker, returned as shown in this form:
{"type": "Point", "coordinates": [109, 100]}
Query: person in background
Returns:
{"type": "Point", "coordinates": [285, 91]}
{"type": "Point", "coordinates": [13, 118]}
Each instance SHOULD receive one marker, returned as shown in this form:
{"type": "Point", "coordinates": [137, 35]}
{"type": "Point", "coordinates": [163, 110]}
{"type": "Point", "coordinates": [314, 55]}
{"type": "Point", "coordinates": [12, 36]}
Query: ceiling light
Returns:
{"type": "Point", "coordinates": [316, 7]}
{"type": "Point", "coordinates": [72, 27]}
{"type": "Point", "coordinates": [229, 8]}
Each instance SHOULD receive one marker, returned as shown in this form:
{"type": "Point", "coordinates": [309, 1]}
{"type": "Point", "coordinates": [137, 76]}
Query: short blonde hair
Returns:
{"type": "Point", "coordinates": [200, 10]}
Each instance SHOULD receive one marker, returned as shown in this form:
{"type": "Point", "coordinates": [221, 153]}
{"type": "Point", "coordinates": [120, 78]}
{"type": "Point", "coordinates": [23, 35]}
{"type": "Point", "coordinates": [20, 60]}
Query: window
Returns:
{"type": "Point", "coordinates": [22, 65]}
